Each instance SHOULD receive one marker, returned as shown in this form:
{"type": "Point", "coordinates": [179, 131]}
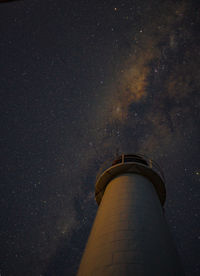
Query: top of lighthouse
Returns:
{"type": "Point", "coordinates": [132, 163]}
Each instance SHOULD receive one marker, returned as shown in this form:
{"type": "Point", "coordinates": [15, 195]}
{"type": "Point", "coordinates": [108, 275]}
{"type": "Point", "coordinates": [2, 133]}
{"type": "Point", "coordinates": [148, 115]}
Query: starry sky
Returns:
{"type": "Point", "coordinates": [80, 82]}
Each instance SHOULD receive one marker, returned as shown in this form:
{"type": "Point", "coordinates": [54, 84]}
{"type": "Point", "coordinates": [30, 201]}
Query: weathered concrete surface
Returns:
{"type": "Point", "coordinates": [130, 235]}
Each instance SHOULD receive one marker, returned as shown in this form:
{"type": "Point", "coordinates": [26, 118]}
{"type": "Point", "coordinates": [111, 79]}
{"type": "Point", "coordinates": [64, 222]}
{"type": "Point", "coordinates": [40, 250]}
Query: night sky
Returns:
{"type": "Point", "coordinates": [81, 81]}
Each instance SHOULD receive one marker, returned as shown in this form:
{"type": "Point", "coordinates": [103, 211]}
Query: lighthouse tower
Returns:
{"type": "Point", "coordinates": [130, 235]}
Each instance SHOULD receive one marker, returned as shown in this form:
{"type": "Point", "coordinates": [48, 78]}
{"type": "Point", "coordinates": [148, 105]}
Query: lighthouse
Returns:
{"type": "Point", "coordinates": [130, 235]}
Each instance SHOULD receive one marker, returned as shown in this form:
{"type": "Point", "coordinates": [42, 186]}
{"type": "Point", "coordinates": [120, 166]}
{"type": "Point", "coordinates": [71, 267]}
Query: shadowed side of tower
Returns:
{"type": "Point", "coordinates": [129, 235]}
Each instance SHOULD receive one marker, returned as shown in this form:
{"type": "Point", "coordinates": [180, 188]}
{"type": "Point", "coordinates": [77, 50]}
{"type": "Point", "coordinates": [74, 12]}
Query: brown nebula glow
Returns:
{"type": "Point", "coordinates": [157, 78]}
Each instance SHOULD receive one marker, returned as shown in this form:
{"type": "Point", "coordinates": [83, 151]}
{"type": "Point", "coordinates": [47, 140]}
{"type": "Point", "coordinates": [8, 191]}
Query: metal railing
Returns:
{"type": "Point", "coordinates": [132, 158]}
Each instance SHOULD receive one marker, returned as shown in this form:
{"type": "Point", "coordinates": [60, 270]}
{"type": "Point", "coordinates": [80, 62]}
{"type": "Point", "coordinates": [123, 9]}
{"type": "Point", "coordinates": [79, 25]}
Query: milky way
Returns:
{"type": "Point", "coordinates": [154, 89]}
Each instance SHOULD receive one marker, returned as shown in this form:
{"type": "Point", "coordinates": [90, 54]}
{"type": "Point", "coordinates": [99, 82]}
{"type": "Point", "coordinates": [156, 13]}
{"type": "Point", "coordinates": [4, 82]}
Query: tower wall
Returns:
{"type": "Point", "coordinates": [129, 235]}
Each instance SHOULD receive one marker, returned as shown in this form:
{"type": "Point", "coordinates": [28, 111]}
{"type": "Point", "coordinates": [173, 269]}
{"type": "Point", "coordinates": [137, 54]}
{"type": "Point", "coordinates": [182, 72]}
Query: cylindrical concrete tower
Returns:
{"type": "Point", "coordinates": [130, 235]}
